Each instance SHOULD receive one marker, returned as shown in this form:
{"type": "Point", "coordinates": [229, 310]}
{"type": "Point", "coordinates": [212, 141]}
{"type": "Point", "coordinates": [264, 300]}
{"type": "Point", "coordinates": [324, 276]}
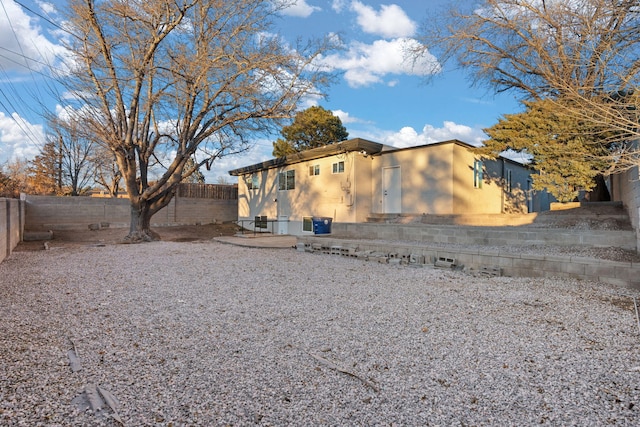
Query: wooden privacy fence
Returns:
{"type": "Point", "coordinates": [208, 191]}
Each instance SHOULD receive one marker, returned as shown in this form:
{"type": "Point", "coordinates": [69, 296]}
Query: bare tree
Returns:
{"type": "Point", "coordinates": [223, 180]}
{"type": "Point", "coordinates": [584, 55]}
{"type": "Point", "coordinates": [168, 80]}
{"type": "Point", "coordinates": [75, 151]}
{"type": "Point", "coordinates": [105, 169]}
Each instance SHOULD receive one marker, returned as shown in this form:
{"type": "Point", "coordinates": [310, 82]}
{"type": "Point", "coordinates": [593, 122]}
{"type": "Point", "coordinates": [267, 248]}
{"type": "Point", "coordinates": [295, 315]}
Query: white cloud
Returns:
{"type": "Point", "coordinates": [390, 22]}
{"type": "Point", "coordinates": [261, 152]}
{"type": "Point", "coordinates": [300, 8]}
{"type": "Point", "coordinates": [338, 5]}
{"type": "Point", "coordinates": [24, 47]}
{"type": "Point", "coordinates": [409, 137]}
{"type": "Point", "coordinates": [345, 117]}
{"type": "Point", "coordinates": [47, 7]}
{"type": "Point", "coordinates": [19, 139]}
{"type": "Point", "coordinates": [367, 64]}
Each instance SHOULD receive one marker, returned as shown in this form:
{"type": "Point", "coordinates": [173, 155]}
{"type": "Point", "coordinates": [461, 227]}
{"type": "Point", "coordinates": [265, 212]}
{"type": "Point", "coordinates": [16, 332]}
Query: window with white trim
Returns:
{"type": "Point", "coordinates": [307, 223]}
{"type": "Point", "coordinates": [338, 167]}
{"type": "Point", "coordinates": [252, 181]}
{"type": "Point", "coordinates": [478, 173]}
{"type": "Point", "coordinates": [314, 170]}
{"type": "Point", "coordinates": [287, 180]}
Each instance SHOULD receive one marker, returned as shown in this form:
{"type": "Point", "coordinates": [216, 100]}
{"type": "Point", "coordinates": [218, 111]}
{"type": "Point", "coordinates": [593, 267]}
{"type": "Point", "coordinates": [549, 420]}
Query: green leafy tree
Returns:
{"type": "Point", "coordinates": [560, 146]}
{"type": "Point", "coordinates": [311, 128]}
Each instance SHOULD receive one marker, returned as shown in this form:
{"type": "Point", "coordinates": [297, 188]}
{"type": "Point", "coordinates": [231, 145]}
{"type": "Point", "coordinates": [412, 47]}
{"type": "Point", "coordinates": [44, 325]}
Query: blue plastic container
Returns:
{"type": "Point", "coordinates": [321, 225]}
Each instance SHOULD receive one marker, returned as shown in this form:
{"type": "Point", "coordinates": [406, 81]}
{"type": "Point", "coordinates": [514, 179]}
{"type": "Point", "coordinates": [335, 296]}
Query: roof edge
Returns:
{"type": "Point", "coordinates": [355, 144]}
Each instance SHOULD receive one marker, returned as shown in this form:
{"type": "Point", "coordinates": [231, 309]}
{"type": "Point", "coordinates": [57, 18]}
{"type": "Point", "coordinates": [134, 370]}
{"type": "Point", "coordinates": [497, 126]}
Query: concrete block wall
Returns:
{"type": "Point", "coordinates": [509, 264]}
{"type": "Point", "coordinates": [205, 211]}
{"type": "Point", "coordinates": [55, 213]}
{"type": "Point", "coordinates": [11, 225]}
{"type": "Point", "coordinates": [625, 187]}
{"type": "Point", "coordinates": [487, 236]}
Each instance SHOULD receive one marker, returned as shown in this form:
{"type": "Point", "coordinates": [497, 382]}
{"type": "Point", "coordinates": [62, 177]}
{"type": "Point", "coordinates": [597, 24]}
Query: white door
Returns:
{"type": "Point", "coordinates": [391, 190]}
{"type": "Point", "coordinates": [283, 224]}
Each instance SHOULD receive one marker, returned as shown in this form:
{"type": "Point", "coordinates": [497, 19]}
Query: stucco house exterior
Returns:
{"type": "Point", "coordinates": [352, 180]}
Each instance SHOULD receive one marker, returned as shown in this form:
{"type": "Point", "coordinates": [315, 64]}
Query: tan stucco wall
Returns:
{"type": "Point", "coordinates": [362, 185]}
{"type": "Point", "coordinates": [436, 180]}
{"type": "Point", "coordinates": [439, 180]}
{"type": "Point", "coordinates": [325, 195]}
{"type": "Point", "coordinates": [470, 199]}
{"type": "Point", "coordinates": [494, 196]}
{"type": "Point", "coordinates": [427, 184]}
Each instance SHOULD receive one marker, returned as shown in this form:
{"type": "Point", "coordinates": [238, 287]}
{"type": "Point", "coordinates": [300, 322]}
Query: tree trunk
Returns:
{"type": "Point", "coordinates": [600, 192]}
{"type": "Point", "coordinates": [140, 227]}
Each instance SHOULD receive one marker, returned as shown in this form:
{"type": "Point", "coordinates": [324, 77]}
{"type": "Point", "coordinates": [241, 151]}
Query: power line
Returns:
{"type": "Point", "coordinates": [22, 5]}
{"type": "Point", "coordinates": [27, 62]}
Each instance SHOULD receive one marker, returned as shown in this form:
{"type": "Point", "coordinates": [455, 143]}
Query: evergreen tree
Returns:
{"type": "Point", "coordinates": [562, 148]}
{"type": "Point", "coordinates": [192, 172]}
{"type": "Point", "coordinates": [45, 171]}
{"type": "Point", "coordinates": [311, 128]}
{"type": "Point", "coordinates": [584, 51]}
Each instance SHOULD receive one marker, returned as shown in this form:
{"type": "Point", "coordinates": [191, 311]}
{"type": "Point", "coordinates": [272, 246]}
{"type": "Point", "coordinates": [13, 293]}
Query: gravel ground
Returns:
{"type": "Point", "coordinates": [211, 334]}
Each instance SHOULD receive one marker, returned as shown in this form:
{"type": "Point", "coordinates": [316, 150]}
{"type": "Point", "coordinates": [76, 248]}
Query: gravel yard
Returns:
{"type": "Point", "coordinates": [202, 333]}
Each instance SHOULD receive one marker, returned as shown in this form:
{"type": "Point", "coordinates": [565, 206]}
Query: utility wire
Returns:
{"type": "Point", "coordinates": [39, 15]}
{"type": "Point", "coordinates": [28, 63]}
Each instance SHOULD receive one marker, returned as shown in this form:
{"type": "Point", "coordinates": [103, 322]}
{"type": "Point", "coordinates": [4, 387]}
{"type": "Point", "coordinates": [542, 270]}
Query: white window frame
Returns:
{"type": "Point", "coordinates": [478, 173]}
{"type": "Point", "coordinates": [338, 167]}
{"type": "Point", "coordinates": [307, 223]}
{"type": "Point", "coordinates": [287, 180]}
{"type": "Point", "coordinates": [314, 170]}
{"type": "Point", "coordinates": [252, 181]}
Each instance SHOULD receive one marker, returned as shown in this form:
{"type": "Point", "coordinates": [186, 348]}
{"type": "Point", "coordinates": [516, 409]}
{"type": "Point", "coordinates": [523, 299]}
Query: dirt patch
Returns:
{"type": "Point", "coordinates": [112, 236]}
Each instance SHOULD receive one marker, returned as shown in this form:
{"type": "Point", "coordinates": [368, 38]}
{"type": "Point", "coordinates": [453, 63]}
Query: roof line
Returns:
{"type": "Point", "coordinates": [355, 144]}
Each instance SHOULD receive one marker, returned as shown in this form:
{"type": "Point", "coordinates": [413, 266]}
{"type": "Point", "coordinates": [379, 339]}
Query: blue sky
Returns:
{"type": "Point", "coordinates": [379, 95]}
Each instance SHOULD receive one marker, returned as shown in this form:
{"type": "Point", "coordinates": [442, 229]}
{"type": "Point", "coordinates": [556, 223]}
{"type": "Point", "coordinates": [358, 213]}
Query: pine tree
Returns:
{"type": "Point", "coordinates": [192, 172]}
{"type": "Point", "coordinates": [562, 149]}
{"type": "Point", "coordinates": [45, 171]}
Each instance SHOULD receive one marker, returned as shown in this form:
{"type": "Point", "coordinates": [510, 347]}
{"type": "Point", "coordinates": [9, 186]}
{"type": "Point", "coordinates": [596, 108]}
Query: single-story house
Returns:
{"type": "Point", "coordinates": [352, 180]}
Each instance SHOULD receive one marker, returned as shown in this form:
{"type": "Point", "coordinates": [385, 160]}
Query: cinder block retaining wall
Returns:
{"type": "Point", "coordinates": [626, 188]}
{"type": "Point", "coordinates": [11, 225]}
{"type": "Point", "coordinates": [505, 263]}
{"type": "Point", "coordinates": [55, 213]}
{"type": "Point", "coordinates": [487, 236]}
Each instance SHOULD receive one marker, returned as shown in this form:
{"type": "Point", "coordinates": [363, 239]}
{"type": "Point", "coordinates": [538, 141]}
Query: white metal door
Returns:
{"type": "Point", "coordinates": [391, 190]}
{"type": "Point", "coordinates": [283, 224]}
{"type": "Point", "coordinates": [283, 204]}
